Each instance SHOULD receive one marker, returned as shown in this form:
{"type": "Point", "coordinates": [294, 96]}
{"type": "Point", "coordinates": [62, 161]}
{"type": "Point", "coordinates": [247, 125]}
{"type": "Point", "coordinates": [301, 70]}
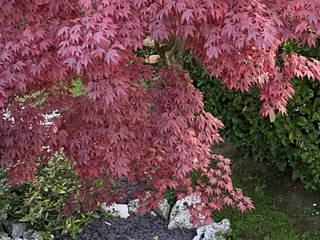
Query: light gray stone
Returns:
{"type": "Point", "coordinates": [4, 236]}
{"type": "Point", "coordinates": [49, 117]}
{"type": "Point", "coordinates": [180, 216]}
{"type": "Point", "coordinates": [3, 215]}
{"type": "Point", "coordinates": [32, 235]}
{"type": "Point", "coordinates": [118, 210]}
{"type": "Point", "coordinates": [133, 206]}
{"type": "Point", "coordinates": [164, 209]}
{"type": "Point", "coordinates": [215, 231]}
{"type": "Point", "coordinates": [18, 229]}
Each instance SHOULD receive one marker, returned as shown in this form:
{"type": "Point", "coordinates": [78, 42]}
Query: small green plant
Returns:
{"type": "Point", "coordinates": [171, 196]}
{"type": "Point", "coordinates": [311, 211]}
{"type": "Point", "coordinates": [230, 236]}
{"type": "Point", "coordinates": [44, 199]}
{"type": "Point", "coordinates": [4, 197]}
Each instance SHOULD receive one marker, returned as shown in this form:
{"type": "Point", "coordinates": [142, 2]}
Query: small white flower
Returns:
{"type": "Point", "coordinates": [314, 204]}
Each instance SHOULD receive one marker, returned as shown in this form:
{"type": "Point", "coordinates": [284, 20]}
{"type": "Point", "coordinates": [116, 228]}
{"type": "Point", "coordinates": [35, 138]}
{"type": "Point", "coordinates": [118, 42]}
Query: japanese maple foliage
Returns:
{"type": "Point", "coordinates": [137, 121]}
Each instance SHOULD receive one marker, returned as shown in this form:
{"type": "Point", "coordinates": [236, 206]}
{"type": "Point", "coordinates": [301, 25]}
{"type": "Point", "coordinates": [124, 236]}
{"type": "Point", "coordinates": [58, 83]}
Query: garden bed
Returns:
{"type": "Point", "coordinates": [146, 227]}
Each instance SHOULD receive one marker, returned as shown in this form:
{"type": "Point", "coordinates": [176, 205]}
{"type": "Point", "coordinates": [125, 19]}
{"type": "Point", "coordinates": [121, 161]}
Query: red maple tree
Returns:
{"type": "Point", "coordinates": [157, 134]}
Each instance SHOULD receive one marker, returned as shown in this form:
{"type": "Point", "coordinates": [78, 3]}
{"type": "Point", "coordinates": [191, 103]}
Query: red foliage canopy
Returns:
{"type": "Point", "coordinates": [156, 135]}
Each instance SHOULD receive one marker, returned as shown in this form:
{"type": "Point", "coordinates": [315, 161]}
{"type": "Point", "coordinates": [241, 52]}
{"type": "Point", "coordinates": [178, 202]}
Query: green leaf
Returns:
{"type": "Point", "coordinates": [306, 157]}
{"type": "Point", "coordinates": [297, 133]}
{"type": "Point", "coordinates": [272, 118]}
{"type": "Point", "coordinates": [311, 146]}
{"type": "Point", "coordinates": [301, 121]}
{"type": "Point", "coordinates": [316, 116]}
{"type": "Point", "coordinates": [26, 218]}
{"type": "Point", "coordinates": [291, 138]}
{"type": "Point", "coordinates": [295, 175]}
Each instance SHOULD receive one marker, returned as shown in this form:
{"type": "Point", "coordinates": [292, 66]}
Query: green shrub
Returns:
{"type": "Point", "coordinates": [289, 140]}
{"type": "Point", "coordinates": [4, 197]}
{"type": "Point", "coordinates": [40, 203]}
{"type": "Point", "coordinates": [44, 199]}
{"type": "Point", "coordinates": [298, 134]}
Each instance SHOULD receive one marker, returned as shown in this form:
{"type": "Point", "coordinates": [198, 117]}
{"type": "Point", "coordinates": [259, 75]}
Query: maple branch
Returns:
{"type": "Point", "coordinates": [179, 50]}
{"type": "Point", "coordinates": [163, 49]}
{"type": "Point", "coordinates": [172, 52]}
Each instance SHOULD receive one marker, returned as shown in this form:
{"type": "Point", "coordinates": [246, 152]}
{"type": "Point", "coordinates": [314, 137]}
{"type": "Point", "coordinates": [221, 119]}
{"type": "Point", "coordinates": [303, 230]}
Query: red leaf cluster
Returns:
{"type": "Point", "coordinates": [155, 135]}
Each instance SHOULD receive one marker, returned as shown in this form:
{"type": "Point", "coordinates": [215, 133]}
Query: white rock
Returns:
{"type": "Point", "coordinates": [18, 229]}
{"type": "Point", "coordinates": [133, 206]}
{"type": "Point", "coordinates": [209, 232]}
{"type": "Point", "coordinates": [148, 42]}
{"type": "Point", "coordinates": [49, 117]}
{"type": "Point", "coordinates": [164, 209]}
{"type": "Point", "coordinates": [4, 236]}
{"type": "Point", "coordinates": [153, 213]}
{"type": "Point", "coordinates": [119, 210]}
{"type": "Point", "coordinates": [180, 216]}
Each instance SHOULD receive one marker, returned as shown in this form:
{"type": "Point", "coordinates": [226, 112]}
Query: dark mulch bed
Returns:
{"type": "Point", "coordinates": [146, 227]}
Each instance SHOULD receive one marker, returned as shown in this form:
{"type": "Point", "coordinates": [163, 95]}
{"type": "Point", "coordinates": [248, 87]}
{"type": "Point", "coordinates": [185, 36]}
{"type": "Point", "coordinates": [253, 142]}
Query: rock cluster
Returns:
{"type": "Point", "coordinates": [179, 217]}
{"type": "Point", "coordinates": [215, 231]}
{"type": "Point", "coordinates": [18, 231]}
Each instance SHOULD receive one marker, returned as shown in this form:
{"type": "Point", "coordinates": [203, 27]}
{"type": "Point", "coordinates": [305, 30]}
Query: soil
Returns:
{"type": "Point", "coordinates": [296, 199]}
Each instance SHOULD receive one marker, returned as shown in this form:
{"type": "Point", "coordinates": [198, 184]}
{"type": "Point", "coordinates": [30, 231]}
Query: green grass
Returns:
{"type": "Point", "coordinates": [263, 222]}
{"type": "Point", "coordinates": [264, 184]}
{"type": "Point", "coordinates": [274, 218]}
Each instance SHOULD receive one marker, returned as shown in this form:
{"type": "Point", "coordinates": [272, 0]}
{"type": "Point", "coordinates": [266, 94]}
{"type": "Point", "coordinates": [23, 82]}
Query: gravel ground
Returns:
{"type": "Point", "coordinates": [146, 227]}
{"type": "Point", "coordinates": [135, 227]}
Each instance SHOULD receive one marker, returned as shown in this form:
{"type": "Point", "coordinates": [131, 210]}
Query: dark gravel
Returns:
{"type": "Point", "coordinates": [136, 227]}
{"type": "Point", "coordinates": [146, 227]}
{"type": "Point", "coordinates": [129, 189]}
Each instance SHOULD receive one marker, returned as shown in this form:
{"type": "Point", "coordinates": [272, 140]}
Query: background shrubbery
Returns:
{"type": "Point", "coordinates": [291, 140]}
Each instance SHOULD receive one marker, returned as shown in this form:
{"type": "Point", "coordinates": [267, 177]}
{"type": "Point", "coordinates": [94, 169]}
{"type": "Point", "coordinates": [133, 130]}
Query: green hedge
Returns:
{"type": "Point", "coordinates": [292, 140]}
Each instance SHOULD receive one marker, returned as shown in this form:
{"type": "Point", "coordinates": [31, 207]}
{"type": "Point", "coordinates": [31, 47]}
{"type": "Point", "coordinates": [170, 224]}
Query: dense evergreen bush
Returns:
{"type": "Point", "coordinates": [288, 140]}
